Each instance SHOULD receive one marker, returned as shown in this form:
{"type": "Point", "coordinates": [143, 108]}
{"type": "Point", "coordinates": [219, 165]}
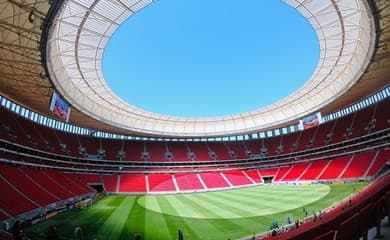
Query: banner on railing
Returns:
{"type": "Point", "coordinates": [59, 107]}
{"type": "Point", "coordinates": [310, 121]}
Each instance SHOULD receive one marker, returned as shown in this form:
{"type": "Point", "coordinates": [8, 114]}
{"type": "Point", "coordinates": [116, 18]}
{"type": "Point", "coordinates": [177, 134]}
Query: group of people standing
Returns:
{"type": "Point", "coordinates": [18, 234]}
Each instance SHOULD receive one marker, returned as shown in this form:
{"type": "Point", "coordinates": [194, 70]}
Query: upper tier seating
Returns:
{"type": "Point", "coordinates": [11, 128]}
{"type": "Point", "coordinates": [200, 150]}
{"type": "Point", "coordinates": [361, 121]}
{"type": "Point", "coordinates": [156, 151]}
{"type": "Point", "coordinates": [322, 134]}
{"type": "Point", "coordinates": [179, 151]}
{"type": "Point", "coordinates": [340, 131]}
{"type": "Point", "coordinates": [254, 146]}
{"type": "Point", "coordinates": [238, 148]}
{"type": "Point", "coordinates": [289, 142]}
{"type": "Point", "coordinates": [134, 150]}
{"type": "Point", "coordinates": [25, 132]}
{"type": "Point", "coordinates": [272, 144]}
{"type": "Point", "coordinates": [111, 148]}
{"type": "Point", "coordinates": [306, 139]}
{"type": "Point", "coordinates": [382, 115]}
{"type": "Point", "coordinates": [67, 143]}
{"type": "Point", "coordinates": [220, 149]}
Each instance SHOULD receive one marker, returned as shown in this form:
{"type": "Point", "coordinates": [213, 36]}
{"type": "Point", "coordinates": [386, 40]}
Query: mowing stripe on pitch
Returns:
{"type": "Point", "coordinates": [156, 226]}
{"type": "Point", "coordinates": [117, 220]}
{"type": "Point", "coordinates": [233, 209]}
{"type": "Point", "coordinates": [187, 227]}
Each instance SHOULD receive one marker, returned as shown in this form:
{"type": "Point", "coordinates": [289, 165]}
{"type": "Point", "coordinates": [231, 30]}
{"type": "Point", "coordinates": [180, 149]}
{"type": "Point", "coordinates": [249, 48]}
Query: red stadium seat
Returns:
{"type": "Point", "coordinates": [349, 229]}
{"type": "Point", "coordinates": [331, 235]}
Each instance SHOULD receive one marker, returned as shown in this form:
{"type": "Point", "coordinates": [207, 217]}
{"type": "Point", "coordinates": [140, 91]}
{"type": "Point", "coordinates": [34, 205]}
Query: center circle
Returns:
{"type": "Point", "coordinates": [239, 203]}
{"type": "Point", "coordinates": [210, 58]}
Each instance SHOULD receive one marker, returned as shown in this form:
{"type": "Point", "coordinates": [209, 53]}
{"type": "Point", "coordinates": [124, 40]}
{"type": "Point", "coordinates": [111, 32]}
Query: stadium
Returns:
{"type": "Point", "coordinates": [79, 162]}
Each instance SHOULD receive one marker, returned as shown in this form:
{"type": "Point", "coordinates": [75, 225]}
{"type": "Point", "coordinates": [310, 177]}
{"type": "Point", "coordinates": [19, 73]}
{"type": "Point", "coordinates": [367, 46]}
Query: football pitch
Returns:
{"type": "Point", "coordinates": [213, 215]}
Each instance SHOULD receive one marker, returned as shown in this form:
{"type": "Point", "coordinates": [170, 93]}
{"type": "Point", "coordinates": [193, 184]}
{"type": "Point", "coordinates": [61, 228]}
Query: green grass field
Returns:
{"type": "Point", "coordinates": [214, 215]}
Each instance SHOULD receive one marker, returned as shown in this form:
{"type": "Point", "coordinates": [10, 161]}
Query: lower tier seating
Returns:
{"type": "Point", "coordinates": [281, 173]}
{"type": "Point", "coordinates": [359, 165]}
{"type": "Point", "coordinates": [3, 216]}
{"type": "Point", "coordinates": [213, 180]}
{"type": "Point", "coordinates": [314, 170]}
{"type": "Point", "coordinates": [295, 172]}
{"type": "Point", "coordinates": [237, 178]}
{"type": "Point", "coordinates": [254, 175]}
{"type": "Point", "coordinates": [50, 185]}
{"type": "Point", "coordinates": [132, 183]}
{"type": "Point", "coordinates": [188, 181]}
{"type": "Point", "coordinates": [381, 159]}
{"type": "Point", "coordinates": [27, 185]}
{"type": "Point", "coordinates": [34, 188]}
{"type": "Point", "coordinates": [110, 182]}
{"type": "Point", "coordinates": [13, 201]}
{"type": "Point", "coordinates": [335, 168]}
{"type": "Point", "coordinates": [161, 183]}
{"type": "Point", "coordinates": [26, 189]}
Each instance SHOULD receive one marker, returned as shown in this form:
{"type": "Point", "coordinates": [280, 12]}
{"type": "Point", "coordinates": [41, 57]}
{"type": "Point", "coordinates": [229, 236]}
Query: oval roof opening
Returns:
{"type": "Point", "coordinates": [183, 59]}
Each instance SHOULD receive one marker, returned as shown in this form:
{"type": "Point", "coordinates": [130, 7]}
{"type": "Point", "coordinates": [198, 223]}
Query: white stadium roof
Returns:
{"type": "Point", "coordinates": [345, 31]}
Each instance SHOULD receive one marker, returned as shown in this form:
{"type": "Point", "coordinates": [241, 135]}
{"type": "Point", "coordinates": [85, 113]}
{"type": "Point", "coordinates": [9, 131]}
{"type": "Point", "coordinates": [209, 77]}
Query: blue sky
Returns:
{"type": "Point", "coordinates": [199, 58]}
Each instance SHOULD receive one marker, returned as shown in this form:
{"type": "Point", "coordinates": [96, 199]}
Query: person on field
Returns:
{"type": "Point", "coordinates": [180, 233]}
{"type": "Point", "coordinates": [289, 221]}
{"type": "Point", "coordinates": [314, 216]}
{"type": "Point", "coordinates": [253, 236]}
{"type": "Point", "coordinates": [296, 224]}
{"type": "Point", "coordinates": [52, 233]}
{"type": "Point", "coordinates": [17, 232]}
{"type": "Point", "coordinates": [138, 237]}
